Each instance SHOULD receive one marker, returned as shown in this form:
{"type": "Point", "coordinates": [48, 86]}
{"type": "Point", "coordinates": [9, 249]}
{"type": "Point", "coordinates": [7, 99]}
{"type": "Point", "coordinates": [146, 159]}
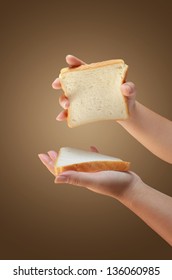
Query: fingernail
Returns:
{"type": "Point", "coordinates": [53, 85]}
{"type": "Point", "coordinates": [66, 105]}
{"type": "Point", "coordinates": [60, 179]}
{"type": "Point", "coordinates": [41, 156]}
{"type": "Point", "coordinates": [52, 154]}
{"type": "Point", "coordinates": [128, 88]}
{"type": "Point", "coordinates": [58, 118]}
{"type": "Point", "coordinates": [54, 82]}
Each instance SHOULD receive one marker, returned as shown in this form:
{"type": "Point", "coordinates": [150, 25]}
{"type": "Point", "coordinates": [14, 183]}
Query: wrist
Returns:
{"type": "Point", "coordinates": [129, 194]}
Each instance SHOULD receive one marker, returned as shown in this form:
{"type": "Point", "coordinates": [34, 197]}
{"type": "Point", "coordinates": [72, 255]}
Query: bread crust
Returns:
{"type": "Point", "coordinates": [95, 66]}
{"type": "Point", "coordinates": [95, 166]}
{"type": "Point", "coordinates": [92, 65]}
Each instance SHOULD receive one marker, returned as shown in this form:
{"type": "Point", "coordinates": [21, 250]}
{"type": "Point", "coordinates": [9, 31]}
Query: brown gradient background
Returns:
{"type": "Point", "coordinates": [41, 220]}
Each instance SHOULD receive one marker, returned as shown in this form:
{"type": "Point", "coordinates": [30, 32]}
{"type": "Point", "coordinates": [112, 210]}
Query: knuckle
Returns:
{"type": "Point", "coordinates": [76, 181]}
{"type": "Point", "coordinates": [73, 180]}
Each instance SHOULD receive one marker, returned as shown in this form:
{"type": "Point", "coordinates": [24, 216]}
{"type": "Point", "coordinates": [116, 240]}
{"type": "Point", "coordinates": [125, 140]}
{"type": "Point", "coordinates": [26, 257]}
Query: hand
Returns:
{"type": "Point", "coordinates": [128, 90]}
{"type": "Point", "coordinates": [110, 183]}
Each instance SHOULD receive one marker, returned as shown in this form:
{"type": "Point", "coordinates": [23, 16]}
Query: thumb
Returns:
{"type": "Point", "coordinates": [82, 179]}
{"type": "Point", "coordinates": [128, 89]}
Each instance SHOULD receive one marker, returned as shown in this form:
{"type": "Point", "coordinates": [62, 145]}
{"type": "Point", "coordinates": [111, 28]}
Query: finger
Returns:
{"type": "Point", "coordinates": [62, 116]}
{"type": "Point", "coordinates": [47, 161]}
{"type": "Point", "coordinates": [56, 84]}
{"type": "Point", "coordinates": [52, 155]}
{"type": "Point", "coordinates": [73, 61]}
{"type": "Point", "coordinates": [94, 149]}
{"type": "Point", "coordinates": [128, 89]}
{"type": "Point", "coordinates": [44, 158]}
{"type": "Point", "coordinates": [64, 101]}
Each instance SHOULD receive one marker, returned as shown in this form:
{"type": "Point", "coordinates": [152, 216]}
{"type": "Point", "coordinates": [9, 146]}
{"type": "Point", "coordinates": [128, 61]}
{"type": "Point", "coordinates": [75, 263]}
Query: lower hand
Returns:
{"type": "Point", "coordinates": [110, 183]}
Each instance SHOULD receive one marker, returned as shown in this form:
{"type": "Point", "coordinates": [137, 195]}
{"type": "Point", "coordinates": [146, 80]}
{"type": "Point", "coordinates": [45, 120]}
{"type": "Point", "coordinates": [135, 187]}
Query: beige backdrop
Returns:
{"type": "Point", "coordinates": [41, 220]}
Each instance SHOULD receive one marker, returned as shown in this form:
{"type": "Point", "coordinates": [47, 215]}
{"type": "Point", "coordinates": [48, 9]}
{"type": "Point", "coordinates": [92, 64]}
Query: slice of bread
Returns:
{"type": "Point", "coordinates": [94, 92]}
{"type": "Point", "coordinates": [85, 161]}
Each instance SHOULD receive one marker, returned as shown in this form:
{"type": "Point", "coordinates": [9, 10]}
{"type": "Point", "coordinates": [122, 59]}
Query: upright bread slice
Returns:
{"type": "Point", "coordinates": [84, 161]}
{"type": "Point", "coordinates": [94, 92]}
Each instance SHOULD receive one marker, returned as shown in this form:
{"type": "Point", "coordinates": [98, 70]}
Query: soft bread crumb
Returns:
{"type": "Point", "coordinates": [85, 161]}
{"type": "Point", "coordinates": [94, 92]}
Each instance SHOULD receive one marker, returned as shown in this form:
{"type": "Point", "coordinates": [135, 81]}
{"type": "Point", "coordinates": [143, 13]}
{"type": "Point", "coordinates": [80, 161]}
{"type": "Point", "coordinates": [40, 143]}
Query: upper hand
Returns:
{"type": "Point", "coordinates": [128, 90]}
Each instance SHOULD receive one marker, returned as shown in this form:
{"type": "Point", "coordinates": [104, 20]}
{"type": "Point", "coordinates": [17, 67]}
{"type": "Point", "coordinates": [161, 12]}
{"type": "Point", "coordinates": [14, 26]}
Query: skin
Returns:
{"type": "Point", "coordinates": [152, 206]}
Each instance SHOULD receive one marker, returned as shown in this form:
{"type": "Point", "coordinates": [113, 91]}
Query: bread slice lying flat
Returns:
{"type": "Point", "coordinates": [94, 92]}
{"type": "Point", "coordinates": [85, 161]}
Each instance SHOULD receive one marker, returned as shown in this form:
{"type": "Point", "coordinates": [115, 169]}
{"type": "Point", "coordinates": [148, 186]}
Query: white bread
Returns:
{"type": "Point", "coordinates": [94, 92]}
{"type": "Point", "coordinates": [85, 161]}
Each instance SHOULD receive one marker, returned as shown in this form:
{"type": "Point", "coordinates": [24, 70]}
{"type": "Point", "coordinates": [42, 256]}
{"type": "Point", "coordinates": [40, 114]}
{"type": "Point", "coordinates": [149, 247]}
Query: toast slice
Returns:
{"type": "Point", "coordinates": [86, 161]}
{"type": "Point", "coordinates": [94, 92]}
